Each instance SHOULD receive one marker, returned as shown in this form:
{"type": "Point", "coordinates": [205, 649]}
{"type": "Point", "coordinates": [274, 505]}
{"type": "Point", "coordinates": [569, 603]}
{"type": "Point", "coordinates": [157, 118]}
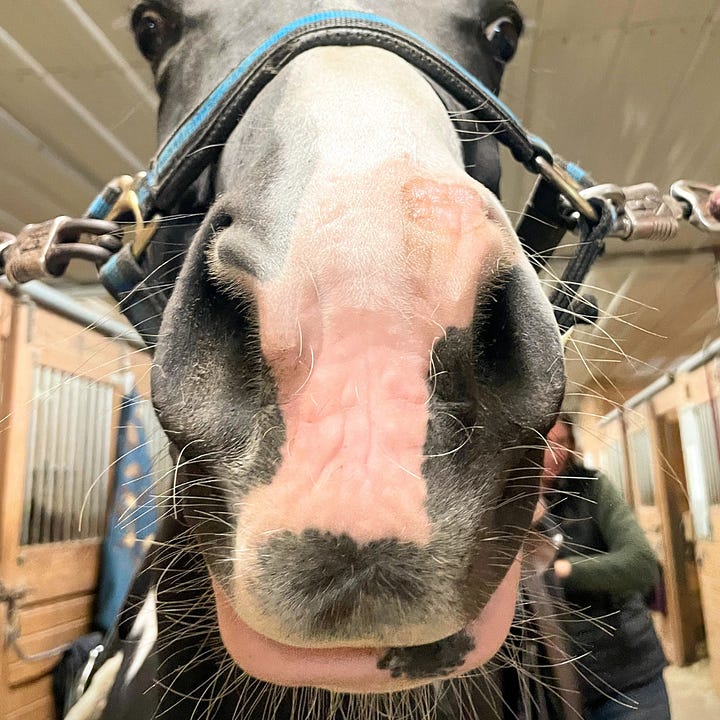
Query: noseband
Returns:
{"type": "Point", "coordinates": [564, 197]}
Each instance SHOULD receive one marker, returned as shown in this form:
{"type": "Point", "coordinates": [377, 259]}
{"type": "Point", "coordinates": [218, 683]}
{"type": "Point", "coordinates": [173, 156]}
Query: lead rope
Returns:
{"type": "Point", "coordinates": [565, 299]}
{"type": "Point", "coordinates": [11, 597]}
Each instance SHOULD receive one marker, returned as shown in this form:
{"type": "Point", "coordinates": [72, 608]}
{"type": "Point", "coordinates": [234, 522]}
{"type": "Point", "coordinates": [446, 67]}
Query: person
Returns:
{"type": "Point", "coordinates": [604, 567]}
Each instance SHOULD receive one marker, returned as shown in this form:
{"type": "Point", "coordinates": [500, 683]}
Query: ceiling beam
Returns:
{"type": "Point", "coordinates": [58, 94]}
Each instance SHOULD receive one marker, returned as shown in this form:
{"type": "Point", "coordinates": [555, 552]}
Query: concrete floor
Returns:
{"type": "Point", "coordinates": [691, 693]}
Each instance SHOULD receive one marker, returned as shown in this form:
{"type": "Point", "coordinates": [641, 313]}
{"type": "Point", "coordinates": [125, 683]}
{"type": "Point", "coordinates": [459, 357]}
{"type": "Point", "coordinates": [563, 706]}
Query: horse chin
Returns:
{"type": "Point", "coordinates": [363, 670]}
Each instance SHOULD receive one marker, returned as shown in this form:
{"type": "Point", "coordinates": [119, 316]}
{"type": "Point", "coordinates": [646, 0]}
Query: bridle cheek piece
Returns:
{"type": "Point", "coordinates": [564, 197]}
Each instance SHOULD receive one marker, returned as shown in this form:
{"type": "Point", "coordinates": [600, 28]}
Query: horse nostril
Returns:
{"type": "Point", "coordinates": [233, 249]}
{"type": "Point", "coordinates": [493, 335]}
{"type": "Point", "coordinates": [513, 340]}
{"type": "Point", "coordinates": [220, 222]}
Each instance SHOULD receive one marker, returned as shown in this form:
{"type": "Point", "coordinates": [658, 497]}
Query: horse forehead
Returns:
{"type": "Point", "coordinates": [438, 19]}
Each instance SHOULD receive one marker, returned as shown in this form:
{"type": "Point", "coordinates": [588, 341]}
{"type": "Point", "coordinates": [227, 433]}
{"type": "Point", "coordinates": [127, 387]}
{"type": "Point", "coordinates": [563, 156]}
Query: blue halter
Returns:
{"type": "Point", "coordinates": [197, 142]}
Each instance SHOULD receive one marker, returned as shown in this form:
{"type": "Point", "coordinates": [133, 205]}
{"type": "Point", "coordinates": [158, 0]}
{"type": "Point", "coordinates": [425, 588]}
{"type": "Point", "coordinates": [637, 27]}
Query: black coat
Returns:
{"type": "Point", "coordinates": [609, 627]}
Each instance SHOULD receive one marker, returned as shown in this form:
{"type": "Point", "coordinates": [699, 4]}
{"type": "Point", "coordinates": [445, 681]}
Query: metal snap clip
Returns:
{"type": "Point", "coordinates": [698, 197]}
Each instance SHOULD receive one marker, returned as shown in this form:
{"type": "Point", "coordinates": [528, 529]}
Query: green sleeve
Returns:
{"type": "Point", "coordinates": [629, 565]}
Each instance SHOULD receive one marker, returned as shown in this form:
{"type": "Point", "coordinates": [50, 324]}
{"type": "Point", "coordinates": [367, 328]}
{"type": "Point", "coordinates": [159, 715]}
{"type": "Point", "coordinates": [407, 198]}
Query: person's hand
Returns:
{"type": "Point", "coordinates": [540, 511]}
{"type": "Point", "coordinates": [714, 203]}
{"type": "Point", "coordinates": [562, 568]}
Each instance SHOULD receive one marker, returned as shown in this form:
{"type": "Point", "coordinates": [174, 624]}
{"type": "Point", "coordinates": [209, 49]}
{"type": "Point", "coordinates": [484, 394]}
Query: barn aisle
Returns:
{"type": "Point", "coordinates": [691, 694]}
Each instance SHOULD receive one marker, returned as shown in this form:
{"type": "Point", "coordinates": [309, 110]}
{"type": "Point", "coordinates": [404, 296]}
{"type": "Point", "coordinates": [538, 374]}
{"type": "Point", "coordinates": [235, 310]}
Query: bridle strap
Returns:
{"type": "Point", "coordinates": [199, 140]}
{"type": "Point", "coordinates": [565, 299]}
{"type": "Point", "coordinates": [140, 301]}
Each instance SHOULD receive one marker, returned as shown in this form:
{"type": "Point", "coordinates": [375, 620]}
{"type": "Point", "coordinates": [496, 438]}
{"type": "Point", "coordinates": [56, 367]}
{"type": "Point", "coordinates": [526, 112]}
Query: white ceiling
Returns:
{"type": "Point", "coordinates": [628, 88]}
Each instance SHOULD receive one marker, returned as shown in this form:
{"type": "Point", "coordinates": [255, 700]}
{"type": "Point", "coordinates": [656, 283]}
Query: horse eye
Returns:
{"type": "Point", "coordinates": [152, 33]}
{"type": "Point", "coordinates": [503, 35]}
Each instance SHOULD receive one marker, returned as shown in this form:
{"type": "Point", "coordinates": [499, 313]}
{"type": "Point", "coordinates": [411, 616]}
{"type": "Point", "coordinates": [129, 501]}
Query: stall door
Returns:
{"type": "Point", "coordinates": [699, 426]}
{"type": "Point", "coordinates": [681, 578]}
{"type": "Point", "coordinates": [653, 444]}
{"type": "Point", "coordinates": [60, 399]}
{"type": "Point", "coordinates": [612, 455]}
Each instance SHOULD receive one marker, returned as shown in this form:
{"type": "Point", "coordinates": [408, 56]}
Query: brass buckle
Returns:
{"type": "Point", "coordinates": [128, 202]}
{"type": "Point", "coordinates": [560, 179]}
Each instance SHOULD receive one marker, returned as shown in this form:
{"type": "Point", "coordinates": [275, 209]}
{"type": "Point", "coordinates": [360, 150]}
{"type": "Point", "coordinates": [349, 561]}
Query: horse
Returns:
{"type": "Point", "coordinates": [356, 369]}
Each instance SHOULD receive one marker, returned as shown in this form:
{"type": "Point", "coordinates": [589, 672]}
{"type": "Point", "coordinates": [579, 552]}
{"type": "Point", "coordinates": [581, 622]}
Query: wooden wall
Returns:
{"type": "Point", "coordinates": [691, 566]}
{"type": "Point", "coordinates": [708, 555]}
{"type": "Point", "coordinates": [59, 578]}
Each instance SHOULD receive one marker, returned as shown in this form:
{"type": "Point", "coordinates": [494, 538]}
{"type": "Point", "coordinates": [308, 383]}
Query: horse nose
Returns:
{"type": "Point", "coordinates": [394, 314]}
{"type": "Point", "coordinates": [395, 247]}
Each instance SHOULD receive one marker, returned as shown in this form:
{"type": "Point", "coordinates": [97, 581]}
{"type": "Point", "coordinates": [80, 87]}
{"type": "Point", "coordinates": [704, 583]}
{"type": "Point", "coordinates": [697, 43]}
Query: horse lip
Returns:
{"type": "Point", "coordinates": [225, 608]}
{"type": "Point", "coordinates": [370, 669]}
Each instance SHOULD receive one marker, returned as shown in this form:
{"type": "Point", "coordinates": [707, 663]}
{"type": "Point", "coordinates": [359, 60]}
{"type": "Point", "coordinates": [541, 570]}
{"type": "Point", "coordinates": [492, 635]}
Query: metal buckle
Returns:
{"type": "Point", "coordinates": [28, 260]}
{"type": "Point", "coordinates": [27, 256]}
{"type": "Point", "coordinates": [82, 682]}
{"type": "Point", "coordinates": [558, 177]}
{"type": "Point", "coordinates": [696, 196]}
{"type": "Point", "coordinates": [128, 202]}
{"type": "Point", "coordinates": [643, 212]}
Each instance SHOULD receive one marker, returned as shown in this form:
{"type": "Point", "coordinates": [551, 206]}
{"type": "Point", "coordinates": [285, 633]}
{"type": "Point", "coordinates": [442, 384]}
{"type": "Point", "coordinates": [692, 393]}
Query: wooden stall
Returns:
{"type": "Point", "coordinates": [683, 625]}
{"type": "Point", "coordinates": [61, 387]}
{"type": "Point", "coordinates": [669, 437]}
{"type": "Point", "coordinates": [604, 446]}
{"type": "Point", "coordinates": [688, 415]}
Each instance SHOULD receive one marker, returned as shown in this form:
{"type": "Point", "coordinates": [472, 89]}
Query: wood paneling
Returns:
{"type": "Point", "coordinates": [59, 579]}
{"type": "Point", "coordinates": [42, 709]}
{"type": "Point", "coordinates": [38, 618]}
{"type": "Point", "coordinates": [14, 419]}
{"type": "Point", "coordinates": [59, 631]}
{"type": "Point", "coordinates": [30, 700]}
{"type": "Point", "coordinates": [685, 612]}
{"type": "Point", "coordinates": [649, 520]}
{"type": "Point", "coordinates": [67, 346]}
{"type": "Point", "coordinates": [73, 567]}
{"type": "Point", "coordinates": [708, 554]}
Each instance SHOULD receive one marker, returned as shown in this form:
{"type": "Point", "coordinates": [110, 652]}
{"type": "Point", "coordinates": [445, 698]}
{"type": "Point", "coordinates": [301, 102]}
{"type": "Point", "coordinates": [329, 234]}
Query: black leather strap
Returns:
{"type": "Point", "coordinates": [591, 246]}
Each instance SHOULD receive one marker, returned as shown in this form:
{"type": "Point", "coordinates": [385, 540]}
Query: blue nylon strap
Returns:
{"type": "Point", "coordinates": [330, 19]}
{"type": "Point", "coordinates": [99, 208]}
{"type": "Point", "coordinates": [103, 203]}
{"type": "Point", "coordinates": [195, 144]}
{"type": "Point", "coordinates": [141, 302]}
